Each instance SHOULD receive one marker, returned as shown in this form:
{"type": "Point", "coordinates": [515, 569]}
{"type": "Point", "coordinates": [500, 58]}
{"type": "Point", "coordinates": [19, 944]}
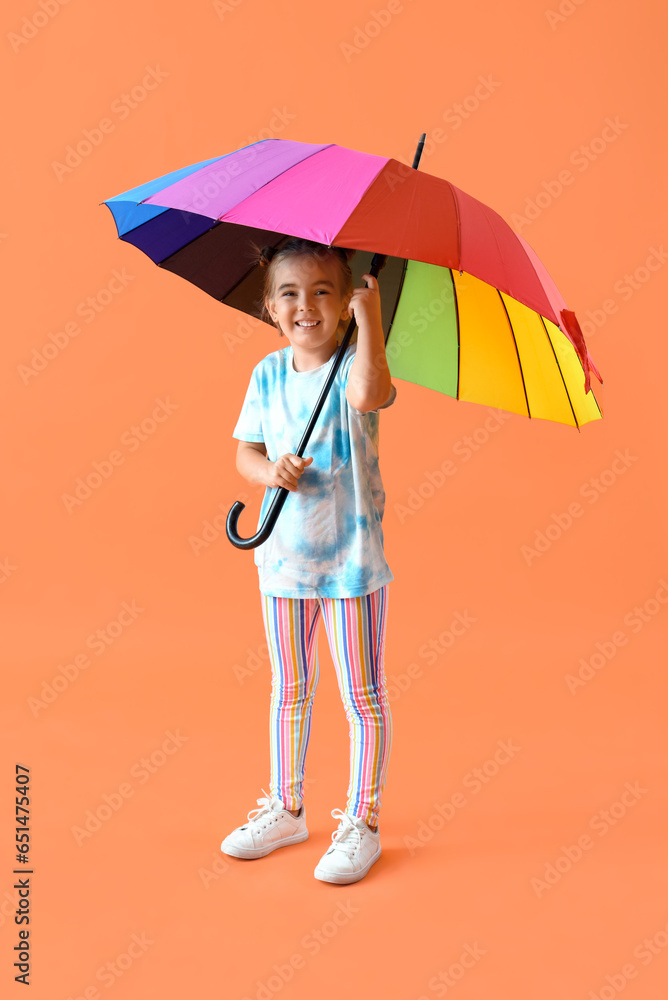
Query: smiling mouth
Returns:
{"type": "Point", "coordinates": [307, 324]}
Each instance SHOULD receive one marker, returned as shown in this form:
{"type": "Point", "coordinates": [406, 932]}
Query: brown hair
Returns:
{"type": "Point", "coordinates": [269, 258]}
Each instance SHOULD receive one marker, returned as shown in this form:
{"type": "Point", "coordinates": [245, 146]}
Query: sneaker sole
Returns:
{"type": "Point", "coordinates": [249, 853]}
{"type": "Point", "coordinates": [345, 878]}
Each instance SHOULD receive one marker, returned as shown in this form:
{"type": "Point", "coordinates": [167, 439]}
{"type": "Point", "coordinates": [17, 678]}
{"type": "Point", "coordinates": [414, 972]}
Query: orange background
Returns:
{"type": "Point", "coordinates": [223, 928]}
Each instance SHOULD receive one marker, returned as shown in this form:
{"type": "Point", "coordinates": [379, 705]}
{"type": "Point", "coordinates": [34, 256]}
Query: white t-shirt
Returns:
{"type": "Point", "coordinates": [328, 538]}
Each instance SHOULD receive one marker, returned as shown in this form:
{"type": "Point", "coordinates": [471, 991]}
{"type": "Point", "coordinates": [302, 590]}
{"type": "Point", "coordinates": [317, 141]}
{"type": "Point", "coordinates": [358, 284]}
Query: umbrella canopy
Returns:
{"type": "Point", "coordinates": [468, 308]}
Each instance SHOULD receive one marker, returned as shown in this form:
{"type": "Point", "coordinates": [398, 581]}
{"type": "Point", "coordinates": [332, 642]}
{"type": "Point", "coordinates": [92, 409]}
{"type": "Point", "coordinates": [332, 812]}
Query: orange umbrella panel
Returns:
{"type": "Point", "coordinates": [461, 336]}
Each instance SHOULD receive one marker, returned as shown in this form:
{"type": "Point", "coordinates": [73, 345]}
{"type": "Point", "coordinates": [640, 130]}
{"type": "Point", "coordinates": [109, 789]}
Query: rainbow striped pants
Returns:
{"type": "Point", "coordinates": [355, 628]}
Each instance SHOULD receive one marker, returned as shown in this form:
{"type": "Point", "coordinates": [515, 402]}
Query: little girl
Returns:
{"type": "Point", "coordinates": [325, 555]}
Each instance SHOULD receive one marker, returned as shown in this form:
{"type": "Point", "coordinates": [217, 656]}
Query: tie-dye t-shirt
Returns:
{"type": "Point", "coordinates": [328, 538]}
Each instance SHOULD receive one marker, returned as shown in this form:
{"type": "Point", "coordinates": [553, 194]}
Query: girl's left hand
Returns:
{"type": "Point", "coordinates": [364, 303]}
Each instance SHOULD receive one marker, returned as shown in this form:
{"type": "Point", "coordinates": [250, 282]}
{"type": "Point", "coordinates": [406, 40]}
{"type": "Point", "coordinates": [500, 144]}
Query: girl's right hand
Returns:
{"type": "Point", "coordinates": [286, 470]}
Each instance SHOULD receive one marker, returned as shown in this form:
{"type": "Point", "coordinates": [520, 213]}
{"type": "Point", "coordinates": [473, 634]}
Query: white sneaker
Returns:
{"type": "Point", "coordinates": [272, 826]}
{"type": "Point", "coordinates": [354, 849]}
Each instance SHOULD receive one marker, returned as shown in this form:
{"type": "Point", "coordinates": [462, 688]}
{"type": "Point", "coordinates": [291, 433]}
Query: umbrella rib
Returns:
{"type": "Point", "coordinates": [159, 263]}
{"type": "Point", "coordinates": [517, 353]}
{"type": "Point", "coordinates": [244, 276]}
{"type": "Point", "coordinates": [459, 225]}
{"type": "Point", "coordinates": [459, 345]}
{"type": "Point", "coordinates": [396, 300]}
{"type": "Point", "coordinates": [452, 279]}
{"type": "Point", "coordinates": [281, 172]}
{"type": "Point", "coordinates": [214, 225]}
{"type": "Point", "coordinates": [597, 406]}
{"type": "Point", "coordinates": [568, 395]}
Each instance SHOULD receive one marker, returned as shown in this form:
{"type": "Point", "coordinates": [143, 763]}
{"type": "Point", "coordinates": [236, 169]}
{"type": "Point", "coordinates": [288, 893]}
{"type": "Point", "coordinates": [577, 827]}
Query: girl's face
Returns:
{"type": "Point", "coordinates": [308, 304]}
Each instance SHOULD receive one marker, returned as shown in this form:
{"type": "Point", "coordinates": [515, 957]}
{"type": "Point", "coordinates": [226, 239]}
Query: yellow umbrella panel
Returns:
{"type": "Point", "coordinates": [461, 336]}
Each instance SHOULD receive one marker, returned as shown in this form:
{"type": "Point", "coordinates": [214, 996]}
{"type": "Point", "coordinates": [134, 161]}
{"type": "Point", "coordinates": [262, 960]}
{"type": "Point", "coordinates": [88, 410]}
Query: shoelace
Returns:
{"type": "Point", "coordinates": [264, 815]}
{"type": "Point", "coordinates": [348, 837]}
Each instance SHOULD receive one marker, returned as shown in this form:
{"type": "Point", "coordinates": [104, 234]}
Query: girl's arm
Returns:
{"type": "Point", "coordinates": [252, 461]}
{"type": "Point", "coordinates": [369, 380]}
{"type": "Point", "coordinates": [255, 467]}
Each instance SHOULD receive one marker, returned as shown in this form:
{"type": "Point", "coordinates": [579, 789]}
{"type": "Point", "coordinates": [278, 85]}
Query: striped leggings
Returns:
{"type": "Point", "coordinates": [355, 629]}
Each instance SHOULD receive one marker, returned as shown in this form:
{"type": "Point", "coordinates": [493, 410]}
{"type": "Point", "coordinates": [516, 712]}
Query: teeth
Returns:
{"type": "Point", "coordinates": [307, 322]}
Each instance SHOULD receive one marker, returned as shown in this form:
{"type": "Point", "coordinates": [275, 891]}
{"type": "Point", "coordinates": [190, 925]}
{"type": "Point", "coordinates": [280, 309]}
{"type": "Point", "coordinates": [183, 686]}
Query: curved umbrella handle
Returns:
{"type": "Point", "coordinates": [267, 524]}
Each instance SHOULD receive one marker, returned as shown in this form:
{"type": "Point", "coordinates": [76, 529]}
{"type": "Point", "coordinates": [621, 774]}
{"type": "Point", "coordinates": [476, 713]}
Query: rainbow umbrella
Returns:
{"type": "Point", "coordinates": [468, 308]}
